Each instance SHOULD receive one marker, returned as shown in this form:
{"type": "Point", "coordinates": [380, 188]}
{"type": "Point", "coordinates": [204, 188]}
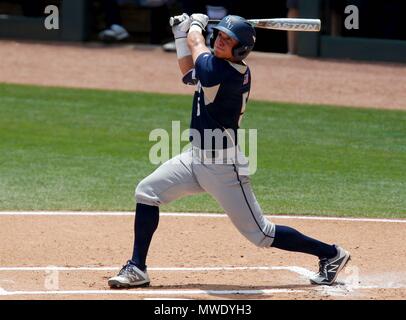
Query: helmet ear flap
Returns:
{"type": "Point", "coordinates": [241, 52]}
{"type": "Point", "coordinates": [213, 37]}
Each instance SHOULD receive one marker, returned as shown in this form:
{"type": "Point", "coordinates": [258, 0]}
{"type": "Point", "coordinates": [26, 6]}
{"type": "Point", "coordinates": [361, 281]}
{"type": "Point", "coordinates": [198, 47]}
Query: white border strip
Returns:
{"type": "Point", "coordinates": [150, 292]}
{"type": "Point", "coordinates": [175, 214]}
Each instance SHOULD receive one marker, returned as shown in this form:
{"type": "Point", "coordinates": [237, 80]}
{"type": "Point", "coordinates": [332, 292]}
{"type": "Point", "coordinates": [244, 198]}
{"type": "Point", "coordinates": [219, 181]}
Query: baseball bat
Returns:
{"type": "Point", "coordinates": [284, 24]}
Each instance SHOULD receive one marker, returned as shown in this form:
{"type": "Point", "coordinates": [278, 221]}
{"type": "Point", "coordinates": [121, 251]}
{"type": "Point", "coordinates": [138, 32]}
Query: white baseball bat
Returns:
{"type": "Point", "coordinates": [284, 24]}
{"type": "Point", "coordinates": [287, 24]}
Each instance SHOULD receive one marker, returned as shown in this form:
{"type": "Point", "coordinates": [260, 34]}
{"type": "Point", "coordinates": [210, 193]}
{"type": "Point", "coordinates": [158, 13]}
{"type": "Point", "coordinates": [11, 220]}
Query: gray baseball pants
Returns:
{"type": "Point", "coordinates": [188, 173]}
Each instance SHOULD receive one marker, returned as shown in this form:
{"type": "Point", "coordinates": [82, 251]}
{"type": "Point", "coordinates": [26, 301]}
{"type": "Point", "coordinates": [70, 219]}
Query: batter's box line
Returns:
{"type": "Point", "coordinates": [341, 288]}
{"type": "Point", "coordinates": [298, 270]}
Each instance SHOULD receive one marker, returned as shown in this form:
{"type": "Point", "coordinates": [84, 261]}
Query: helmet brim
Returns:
{"type": "Point", "coordinates": [227, 31]}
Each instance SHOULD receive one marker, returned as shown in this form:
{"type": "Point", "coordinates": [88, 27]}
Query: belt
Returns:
{"type": "Point", "coordinates": [218, 156]}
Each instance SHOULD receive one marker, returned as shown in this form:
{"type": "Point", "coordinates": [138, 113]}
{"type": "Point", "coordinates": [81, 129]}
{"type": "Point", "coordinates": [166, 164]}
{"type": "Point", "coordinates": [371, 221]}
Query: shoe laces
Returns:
{"type": "Point", "coordinates": [125, 268]}
{"type": "Point", "coordinates": [323, 266]}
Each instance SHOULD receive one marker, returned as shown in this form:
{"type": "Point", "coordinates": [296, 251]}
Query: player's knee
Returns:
{"type": "Point", "coordinates": [144, 193]}
{"type": "Point", "coordinates": [261, 240]}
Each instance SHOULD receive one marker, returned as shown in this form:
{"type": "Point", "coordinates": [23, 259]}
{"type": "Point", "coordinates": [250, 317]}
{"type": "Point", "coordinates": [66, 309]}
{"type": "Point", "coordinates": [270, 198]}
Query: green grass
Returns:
{"type": "Point", "coordinates": [71, 149]}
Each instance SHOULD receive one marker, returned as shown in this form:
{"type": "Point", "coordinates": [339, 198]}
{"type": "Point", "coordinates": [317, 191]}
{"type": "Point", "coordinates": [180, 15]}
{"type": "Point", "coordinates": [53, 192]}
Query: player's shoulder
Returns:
{"type": "Point", "coordinates": [211, 70]}
{"type": "Point", "coordinates": [239, 67]}
{"type": "Point", "coordinates": [209, 59]}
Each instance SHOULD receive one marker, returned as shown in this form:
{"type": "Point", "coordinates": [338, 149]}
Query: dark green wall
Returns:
{"type": "Point", "coordinates": [346, 47]}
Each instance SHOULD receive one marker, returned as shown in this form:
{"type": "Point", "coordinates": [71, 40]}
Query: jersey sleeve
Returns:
{"type": "Point", "coordinates": [210, 70]}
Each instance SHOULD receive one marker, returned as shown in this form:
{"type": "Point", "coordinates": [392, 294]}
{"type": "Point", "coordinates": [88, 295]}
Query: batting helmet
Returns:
{"type": "Point", "coordinates": [239, 29]}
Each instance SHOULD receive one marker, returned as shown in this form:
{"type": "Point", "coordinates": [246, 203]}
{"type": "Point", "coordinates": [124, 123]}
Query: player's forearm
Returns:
{"type": "Point", "coordinates": [196, 43]}
{"type": "Point", "coordinates": [184, 55]}
{"type": "Point", "coordinates": [195, 39]}
{"type": "Point", "coordinates": [185, 64]}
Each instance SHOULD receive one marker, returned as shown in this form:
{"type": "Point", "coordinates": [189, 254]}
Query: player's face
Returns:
{"type": "Point", "coordinates": [224, 45]}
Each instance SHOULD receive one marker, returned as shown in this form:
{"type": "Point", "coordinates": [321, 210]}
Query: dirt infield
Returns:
{"type": "Point", "coordinates": [196, 257]}
{"type": "Point", "coordinates": [275, 77]}
{"type": "Point", "coordinates": [192, 257]}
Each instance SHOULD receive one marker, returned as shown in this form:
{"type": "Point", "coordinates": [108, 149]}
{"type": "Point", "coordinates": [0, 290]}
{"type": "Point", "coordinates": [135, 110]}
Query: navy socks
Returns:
{"type": "Point", "coordinates": [286, 238]}
{"type": "Point", "coordinates": [146, 222]}
{"type": "Point", "coordinates": [289, 239]}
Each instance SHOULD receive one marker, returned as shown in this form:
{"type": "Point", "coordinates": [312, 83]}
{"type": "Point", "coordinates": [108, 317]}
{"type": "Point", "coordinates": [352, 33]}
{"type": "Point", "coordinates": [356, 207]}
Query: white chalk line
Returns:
{"type": "Point", "coordinates": [341, 289]}
{"type": "Point", "coordinates": [299, 270]}
{"type": "Point", "coordinates": [302, 272]}
{"type": "Point", "coordinates": [180, 214]}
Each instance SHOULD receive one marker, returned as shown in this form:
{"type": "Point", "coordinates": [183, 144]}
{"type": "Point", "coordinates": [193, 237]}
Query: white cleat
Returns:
{"type": "Point", "coordinates": [129, 276]}
{"type": "Point", "coordinates": [329, 268]}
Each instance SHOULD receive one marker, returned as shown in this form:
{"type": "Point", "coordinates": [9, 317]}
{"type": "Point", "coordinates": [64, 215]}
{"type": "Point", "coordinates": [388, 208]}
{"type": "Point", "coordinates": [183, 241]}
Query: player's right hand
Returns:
{"type": "Point", "coordinates": [180, 25]}
{"type": "Point", "coordinates": [199, 19]}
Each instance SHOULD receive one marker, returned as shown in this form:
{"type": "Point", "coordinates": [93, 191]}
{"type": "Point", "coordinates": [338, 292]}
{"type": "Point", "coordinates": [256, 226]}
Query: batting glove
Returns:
{"type": "Point", "coordinates": [180, 25]}
{"type": "Point", "coordinates": [200, 20]}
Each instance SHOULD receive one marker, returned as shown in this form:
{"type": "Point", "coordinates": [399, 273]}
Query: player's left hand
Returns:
{"type": "Point", "coordinates": [200, 20]}
{"type": "Point", "coordinates": [180, 25]}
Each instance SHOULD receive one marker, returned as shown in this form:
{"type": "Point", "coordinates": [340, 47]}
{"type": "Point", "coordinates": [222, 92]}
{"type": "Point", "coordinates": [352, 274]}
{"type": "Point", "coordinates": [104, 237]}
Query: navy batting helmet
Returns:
{"type": "Point", "coordinates": [239, 29]}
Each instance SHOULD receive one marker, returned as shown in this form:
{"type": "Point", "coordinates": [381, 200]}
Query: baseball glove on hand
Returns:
{"type": "Point", "coordinates": [199, 19]}
{"type": "Point", "coordinates": [180, 25]}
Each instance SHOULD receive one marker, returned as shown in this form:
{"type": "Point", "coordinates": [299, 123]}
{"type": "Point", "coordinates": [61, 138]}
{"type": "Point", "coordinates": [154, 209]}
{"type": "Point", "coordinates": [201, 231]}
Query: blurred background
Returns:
{"type": "Point", "coordinates": [380, 35]}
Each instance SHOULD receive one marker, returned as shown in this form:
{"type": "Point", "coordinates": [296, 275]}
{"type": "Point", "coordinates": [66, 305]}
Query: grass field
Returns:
{"type": "Point", "coordinates": [71, 149]}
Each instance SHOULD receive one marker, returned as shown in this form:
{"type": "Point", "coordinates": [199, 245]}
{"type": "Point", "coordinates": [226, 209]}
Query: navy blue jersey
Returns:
{"type": "Point", "coordinates": [219, 102]}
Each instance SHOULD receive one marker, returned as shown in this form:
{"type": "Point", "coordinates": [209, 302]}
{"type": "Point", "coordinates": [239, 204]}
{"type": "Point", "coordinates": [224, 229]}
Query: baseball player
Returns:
{"type": "Point", "coordinates": [222, 82]}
